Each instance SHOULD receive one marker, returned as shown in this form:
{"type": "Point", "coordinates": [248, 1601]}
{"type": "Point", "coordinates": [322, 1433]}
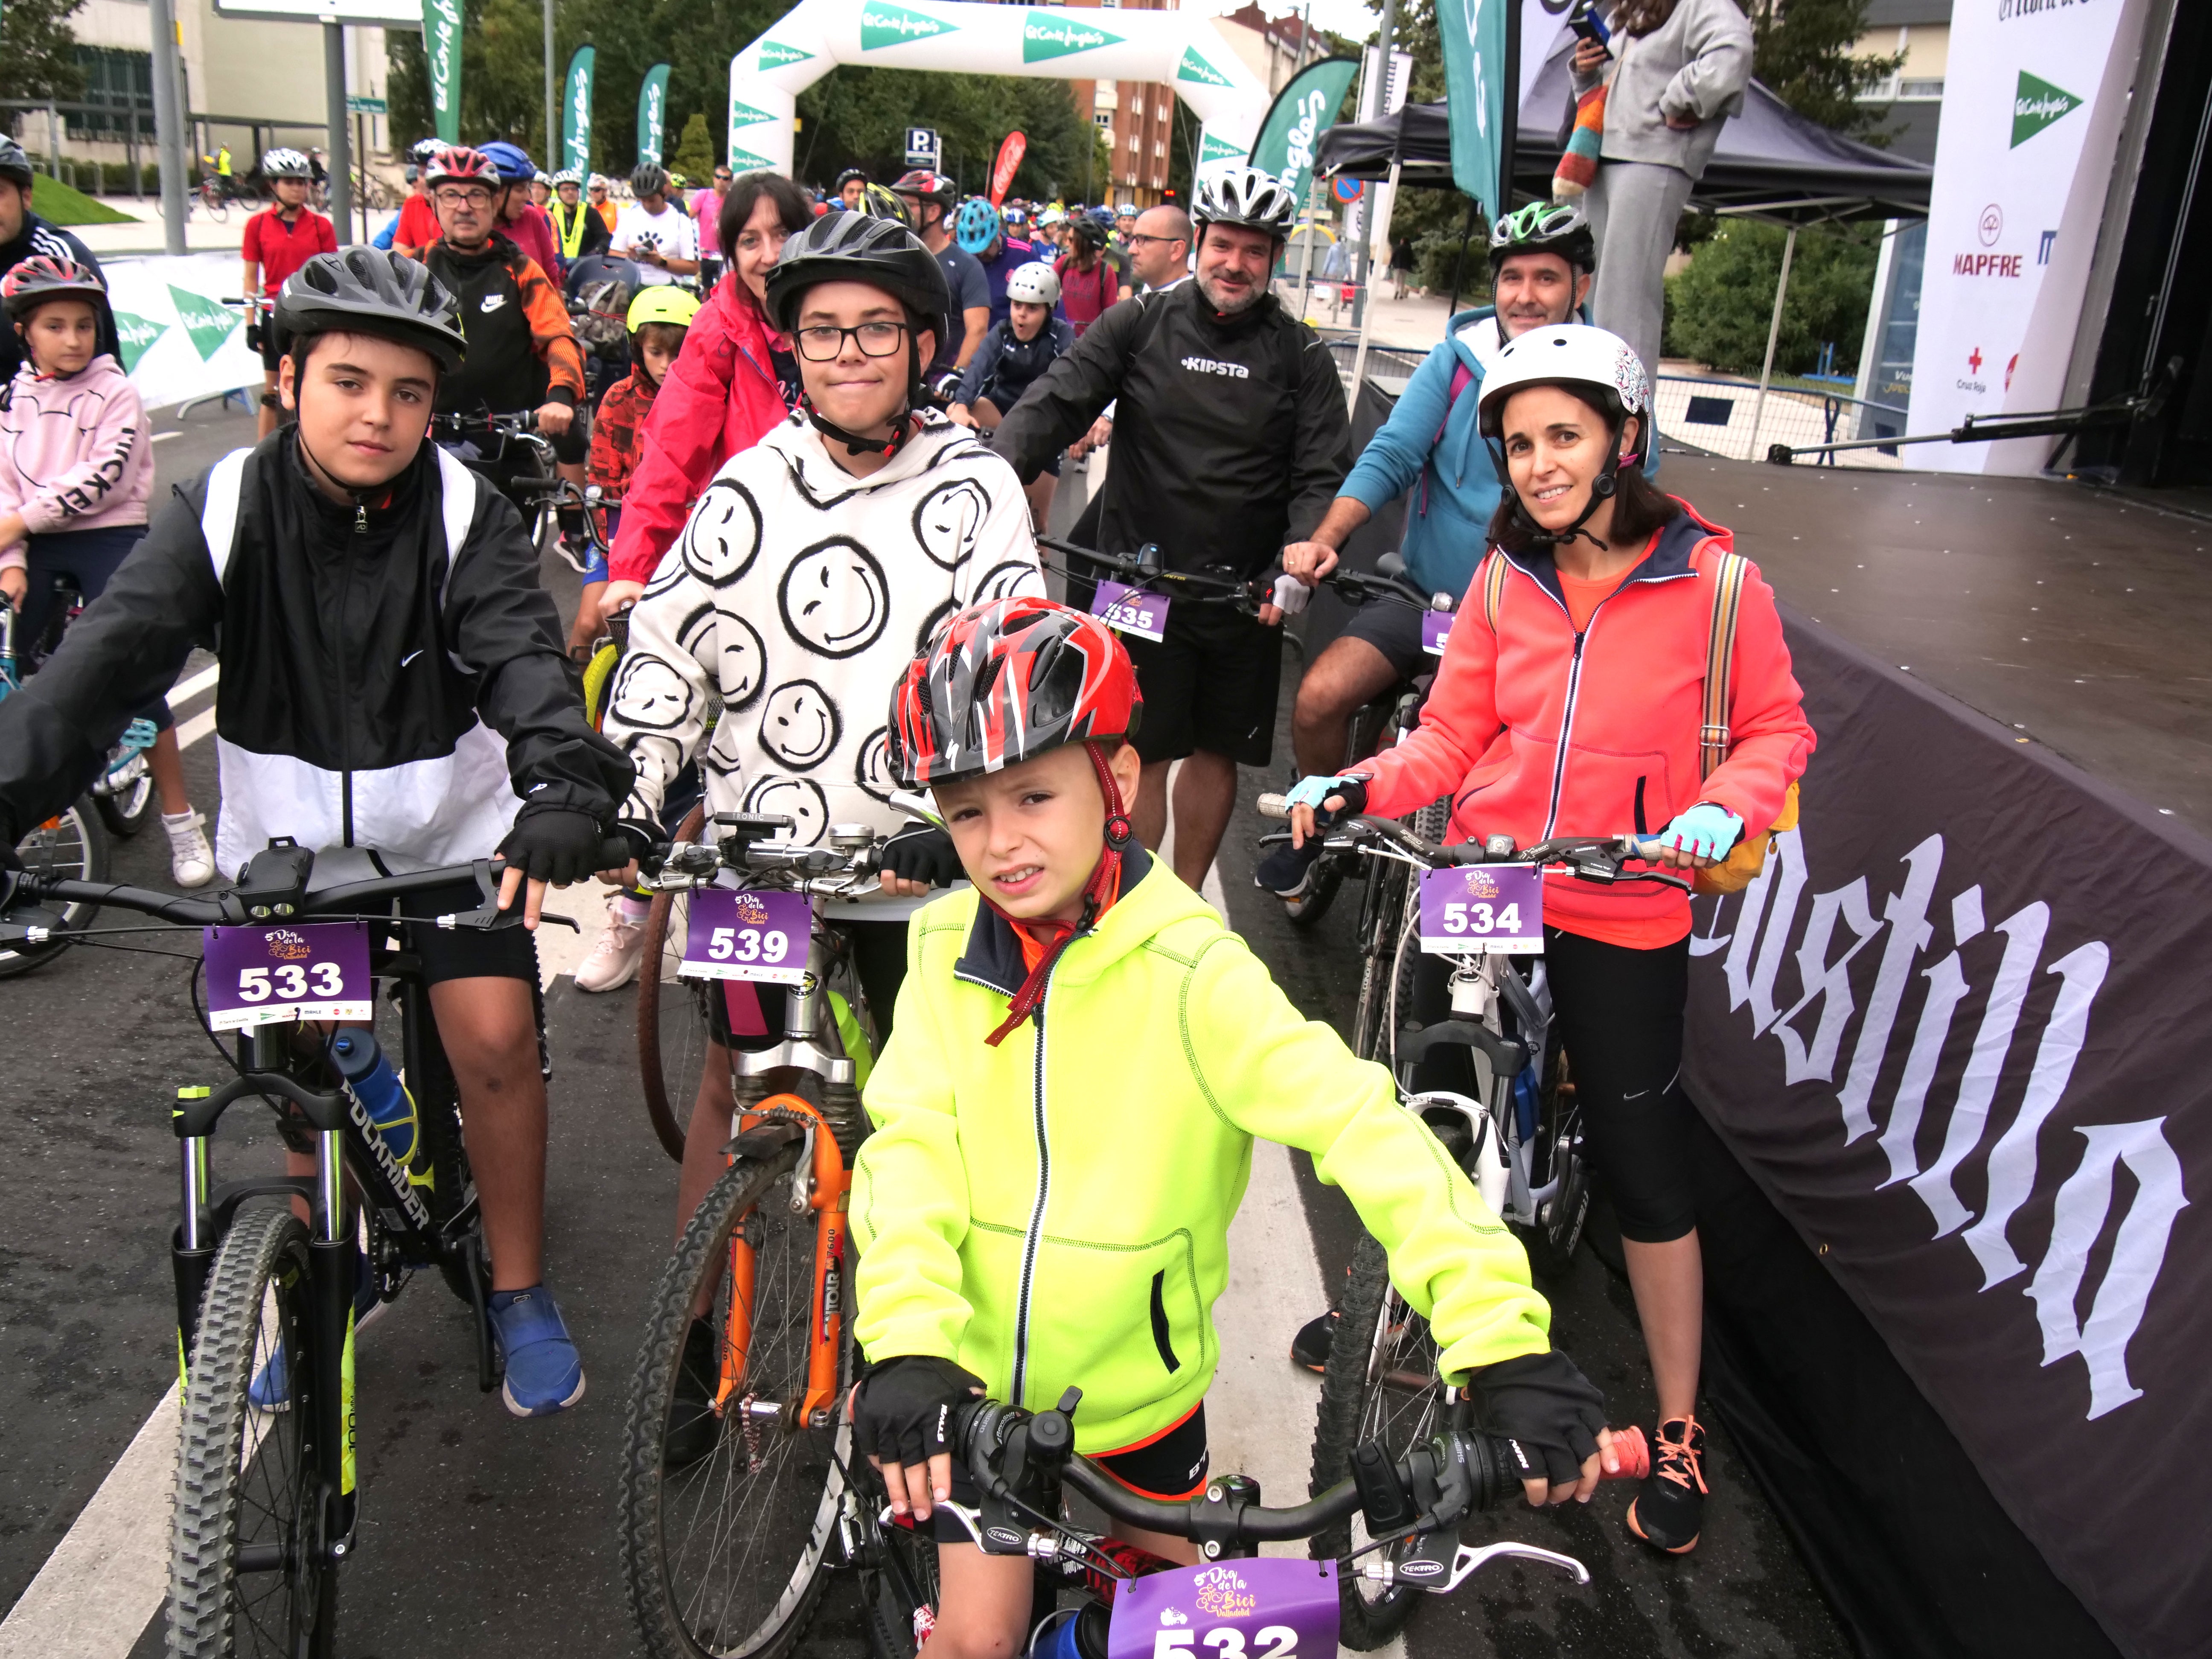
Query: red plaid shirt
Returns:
{"type": "Point", "coordinates": [615, 430]}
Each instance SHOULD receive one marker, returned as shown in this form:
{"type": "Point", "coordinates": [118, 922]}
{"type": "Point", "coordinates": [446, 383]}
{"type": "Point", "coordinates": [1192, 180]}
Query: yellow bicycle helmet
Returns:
{"type": "Point", "coordinates": [664, 302]}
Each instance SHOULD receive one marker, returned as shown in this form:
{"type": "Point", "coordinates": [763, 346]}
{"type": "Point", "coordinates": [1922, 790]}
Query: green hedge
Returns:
{"type": "Point", "coordinates": [1719, 309]}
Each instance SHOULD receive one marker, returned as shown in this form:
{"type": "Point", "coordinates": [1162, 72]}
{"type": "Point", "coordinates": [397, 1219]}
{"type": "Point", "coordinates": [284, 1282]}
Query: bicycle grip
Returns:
{"type": "Point", "coordinates": [1274, 807]}
{"type": "Point", "coordinates": [1634, 1452]}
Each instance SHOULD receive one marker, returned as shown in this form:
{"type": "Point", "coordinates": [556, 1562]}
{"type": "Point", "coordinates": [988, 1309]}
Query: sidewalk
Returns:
{"type": "Point", "coordinates": [203, 234]}
{"type": "Point", "coordinates": [1409, 324]}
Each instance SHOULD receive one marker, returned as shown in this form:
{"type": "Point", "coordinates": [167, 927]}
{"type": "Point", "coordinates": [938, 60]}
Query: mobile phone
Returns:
{"type": "Point", "coordinates": [1587, 24]}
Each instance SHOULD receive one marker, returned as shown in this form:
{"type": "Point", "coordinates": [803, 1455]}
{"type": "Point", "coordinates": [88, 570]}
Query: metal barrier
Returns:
{"type": "Point", "coordinates": [1716, 415]}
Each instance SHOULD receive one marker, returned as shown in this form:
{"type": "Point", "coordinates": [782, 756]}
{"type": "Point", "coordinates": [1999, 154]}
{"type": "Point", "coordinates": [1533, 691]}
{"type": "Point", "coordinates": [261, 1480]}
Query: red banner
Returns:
{"type": "Point", "coordinates": [1009, 163]}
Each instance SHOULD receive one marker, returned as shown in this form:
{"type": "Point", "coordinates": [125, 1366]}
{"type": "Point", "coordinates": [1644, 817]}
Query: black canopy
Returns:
{"type": "Point", "coordinates": [1771, 161]}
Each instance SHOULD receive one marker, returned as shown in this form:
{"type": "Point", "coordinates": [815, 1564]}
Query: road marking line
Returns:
{"type": "Point", "coordinates": [187, 690]}
{"type": "Point", "coordinates": [195, 728]}
{"type": "Point", "coordinates": [109, 1577]}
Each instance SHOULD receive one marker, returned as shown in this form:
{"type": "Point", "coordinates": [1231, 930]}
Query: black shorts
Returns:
{"type": "Point", "coordinates": [1394, 629]}
{"type": "Point", "coordinates": [1169, 1467]}
{"type": "Point", "coordinates": [1211, 684]}
{"type": "Point", "coordinates": [273, 345]}
{"type": "Point", "coordinates": [463, 953]}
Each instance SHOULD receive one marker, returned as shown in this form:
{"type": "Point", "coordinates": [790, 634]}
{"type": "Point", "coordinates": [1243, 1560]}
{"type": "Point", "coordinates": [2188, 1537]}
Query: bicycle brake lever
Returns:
{"type": "Point", "coordinates": [1430, 1568]}
{"type": "Point", "coordinates": [1471, 1560]}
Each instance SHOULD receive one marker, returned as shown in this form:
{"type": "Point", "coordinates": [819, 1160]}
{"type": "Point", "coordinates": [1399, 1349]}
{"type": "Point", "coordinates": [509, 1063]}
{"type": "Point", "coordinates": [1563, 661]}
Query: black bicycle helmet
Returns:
{"type": "Point", "coordinates": [648, 179]}
{"type": "Point", "coordinates": [1560, 227]}
{"type": "Point", "coordinates": [365, 290]}
{"type": "Point", "coordinates": [15, 164]}
{"type": "Point", "coordinates": [852, 247]}
{"type": "Point", "coordinates": [847, 178]}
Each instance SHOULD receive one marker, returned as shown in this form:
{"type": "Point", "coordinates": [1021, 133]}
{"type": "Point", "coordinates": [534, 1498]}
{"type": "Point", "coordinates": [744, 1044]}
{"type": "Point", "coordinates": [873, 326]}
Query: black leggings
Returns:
{"type": "Point", "coordinates": [1619, 1011]}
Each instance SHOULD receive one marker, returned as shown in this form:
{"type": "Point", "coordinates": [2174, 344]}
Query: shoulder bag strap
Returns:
{"type": "Point", "coordinates": [1728, 572]}
{"type": "Point", "coordinates": [1493, 588]}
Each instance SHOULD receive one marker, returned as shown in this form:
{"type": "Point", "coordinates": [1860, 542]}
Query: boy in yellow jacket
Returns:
{"type": "Point", "coordinates": [1064, 1117]}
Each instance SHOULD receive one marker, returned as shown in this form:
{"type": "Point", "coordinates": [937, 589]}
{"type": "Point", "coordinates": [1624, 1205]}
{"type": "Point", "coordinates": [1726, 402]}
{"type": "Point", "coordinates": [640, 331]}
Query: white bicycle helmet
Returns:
{"type": "Point", "coordinates": [1035, 284]}
{"type": "Point", "coordinates": [1247, 197]}
{"type": "Point", "coordinates": [285, 164]}
{"type": "Point", "coordinates": [1590, 360]}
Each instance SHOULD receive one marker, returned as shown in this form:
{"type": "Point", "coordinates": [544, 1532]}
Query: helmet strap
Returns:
{"type": "Point", "coordinates": [1602, 488]}
{"type": "Point", "coordinates": [854, 442]}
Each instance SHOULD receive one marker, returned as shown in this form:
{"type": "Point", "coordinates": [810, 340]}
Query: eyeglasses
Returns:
{"type": "Point", "coordinates": [826, 345]}
{"type": "Point", "coordinates": [476, 197]}
{"type": "Point", "coordinates": [1134, 237]}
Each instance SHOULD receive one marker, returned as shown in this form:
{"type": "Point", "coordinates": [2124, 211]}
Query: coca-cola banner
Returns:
{"type": "Point", "coordinates": [1958, 1030]}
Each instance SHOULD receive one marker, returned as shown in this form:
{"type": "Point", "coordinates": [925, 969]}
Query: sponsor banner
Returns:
{"type": "Point", "coordinates": [1008, 164]}
{"type": "Point", "coordinates": [1303, 110]}
{"type": "Point", "coordinates": [651, 113]}
{"type": "Point", "coordinates": [2032, 103]}
{"type": "Point", "coordinates": [576, 111]}
{"type": "Point", "coordinates": [1955, 1030]}
{"type": "Point", "coordinates": [441, 53]}
{"type": "Point", "coordinates": [179, 341]}
{"type": "Point", "coordinates": [1473, 34]}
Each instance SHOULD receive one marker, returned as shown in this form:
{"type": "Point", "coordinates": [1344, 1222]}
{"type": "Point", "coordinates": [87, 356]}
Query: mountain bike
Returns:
{"type": "Point", "coordinates": [725, 1553]}
{"type": "Point", "coordinates": [124, 793]}
{"type": "Point", "coordinates": [1519, 1139]}
{"type": "Point", "coordinates": [266, 1499]}
{"type": "Point", "coordinates": [1131, 1601]}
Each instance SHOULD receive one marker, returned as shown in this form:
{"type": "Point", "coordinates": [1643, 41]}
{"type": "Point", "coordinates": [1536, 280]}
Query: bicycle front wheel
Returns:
{"type": "Point", "coordinates": [246, 1569]}
{"type": "Point", "coordinates": [724, 1554]}
{"type": "Point", "coordinates": [671, 1012]}
{"type": "Point", "coordinates": [70, 847]}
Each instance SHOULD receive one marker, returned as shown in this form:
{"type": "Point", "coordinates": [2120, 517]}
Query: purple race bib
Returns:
{"type": "Point", "coordinates": [275, 975]}
{"type": "Point", "coordinates": [1132, 611]}
{"type": "Point", "coordinates": [1269, 1608]}
{"type": "Point", "coordinates": [1436, 627]}
{"type": "Point", "coordinates": [1483, 908]}
{"type": "Point", "coordinates": [760, 937]}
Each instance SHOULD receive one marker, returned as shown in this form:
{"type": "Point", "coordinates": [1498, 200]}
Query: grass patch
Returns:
{"type": "Point", "coordinates": [57, 204]}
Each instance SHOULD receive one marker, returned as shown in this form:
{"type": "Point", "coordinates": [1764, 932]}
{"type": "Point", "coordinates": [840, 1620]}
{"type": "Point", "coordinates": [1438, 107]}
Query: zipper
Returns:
{"type": "Point", "coordinates": [345, 701]}
{"type": "Point", "coordinates": [1036, 1234]}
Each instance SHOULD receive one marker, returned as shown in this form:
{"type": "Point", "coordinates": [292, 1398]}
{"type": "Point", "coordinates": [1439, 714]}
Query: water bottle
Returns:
{"type": "Point", "coordinates": [1081, 1635]}
{"type": "Point", "coordinates": [360, 1059]}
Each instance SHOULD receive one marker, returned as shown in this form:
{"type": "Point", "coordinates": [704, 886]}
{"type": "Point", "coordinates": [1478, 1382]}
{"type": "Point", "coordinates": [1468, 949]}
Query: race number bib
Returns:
{"type": "Point", "coordinates": [1267, 1608]}
{"type": "Point", "coordinates": [760, 937]}
{"type": "Point", "coordinates": [1435, 628]}
{"type": "Point", "coordinates": [1483, 908]}
{"type": "Point", "coordinates": [275, 975]}
{"type": "Point", "coordinates": [1132, 611]}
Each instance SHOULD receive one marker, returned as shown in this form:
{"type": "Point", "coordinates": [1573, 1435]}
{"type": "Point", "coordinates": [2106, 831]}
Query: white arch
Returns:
{"type": "Point", "coordinates": [1179, 49]}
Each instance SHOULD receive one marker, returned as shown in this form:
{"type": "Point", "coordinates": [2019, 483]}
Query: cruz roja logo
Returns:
{"type": "Point", "coordinates": [1210, 366]}
{"type": "Point", "coordinates": [1934, 963]}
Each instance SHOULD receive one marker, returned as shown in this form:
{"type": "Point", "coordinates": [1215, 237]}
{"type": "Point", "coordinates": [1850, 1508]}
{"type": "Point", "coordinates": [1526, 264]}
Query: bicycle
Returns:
{"type": "Point", "coordinates": [212, 199]}
{"type": "Point", "coordinates": [1520, 1142]}
{"type": "Point", "coordinates": [765, 1252]}
{"type": "Point", "coordinates": [266, 1500]}
{"type": "Point", "coordinates": [556, 510]}
{"type": "Point", "coordinates": [1133, 1602]}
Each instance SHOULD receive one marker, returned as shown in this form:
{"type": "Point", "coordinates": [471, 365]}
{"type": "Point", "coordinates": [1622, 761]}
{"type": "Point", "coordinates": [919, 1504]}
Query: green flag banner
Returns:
{"type": "Point", "coordinates": [1474, 36]}
{"type": "Point", "coordinates": [441, 51]}
{"type": "Point", "coordinates": [134, 335]}
{"type": "Point", "coordinates": [651, 113]}
{"type": "Point", "coordinates": [207, 322]}
{"type": "Point", "coordinates": [1303, 110]}
{"type": "Point", "coordinates": [576, 111]}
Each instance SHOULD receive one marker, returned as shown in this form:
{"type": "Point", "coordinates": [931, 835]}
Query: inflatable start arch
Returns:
{"type": "Point", "coordinates": [1178, 49]}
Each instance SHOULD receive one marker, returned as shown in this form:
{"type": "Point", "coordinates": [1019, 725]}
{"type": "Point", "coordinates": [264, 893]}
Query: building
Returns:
{"type": "Point", "coordinates": [1137, 119]}
{"type": "Point", "coordinates": [1273, 48]}
{"type": "Point", "coordinates": [1911, 99]}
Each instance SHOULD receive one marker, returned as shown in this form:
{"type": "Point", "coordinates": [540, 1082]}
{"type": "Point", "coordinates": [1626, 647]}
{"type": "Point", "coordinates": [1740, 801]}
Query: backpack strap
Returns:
{"type": "Point", "coordinates": [1728, 573]}
{"type": "Point", "coordinates": [1493, 574]}
{"type": "Point", "coordinates": [219, 512]}
{"type": "Point", "coordinates": [1462, 377]}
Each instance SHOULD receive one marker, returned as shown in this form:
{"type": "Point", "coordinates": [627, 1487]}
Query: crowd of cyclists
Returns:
{"type": "Point", "coordinates": [824, 428]}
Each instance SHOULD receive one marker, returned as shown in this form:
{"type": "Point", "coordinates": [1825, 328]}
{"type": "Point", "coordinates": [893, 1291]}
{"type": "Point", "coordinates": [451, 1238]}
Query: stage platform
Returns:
{"type": "Point", "coordinates": [2081, 620]}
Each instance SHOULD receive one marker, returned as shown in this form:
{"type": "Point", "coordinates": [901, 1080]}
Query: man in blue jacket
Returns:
{"type": "Point", "coordinates": [1542, 259]}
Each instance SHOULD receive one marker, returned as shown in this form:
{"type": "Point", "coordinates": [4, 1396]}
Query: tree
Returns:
{"type": "Point", "coordinates": [857, 117]}
{"type": "Point", "coordinates": [38, 52]}
{"type": "Point", "coordinates": [694, 152]}
{"type": "Point", "coordinates": [1719, 309]}
{"type": "Point", "coordinates": [1803, 50]}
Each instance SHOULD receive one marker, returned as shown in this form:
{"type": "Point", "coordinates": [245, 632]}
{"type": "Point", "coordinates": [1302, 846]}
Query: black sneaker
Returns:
{"type": "Point", "coordinates": [1669, 1509]}
{"type": "Point", "coordinates": [1287, 870]}
{"type": "Point", "coordinates": [695, 1427]}
{"type": "Point", "coordinates": [1309, 1347]}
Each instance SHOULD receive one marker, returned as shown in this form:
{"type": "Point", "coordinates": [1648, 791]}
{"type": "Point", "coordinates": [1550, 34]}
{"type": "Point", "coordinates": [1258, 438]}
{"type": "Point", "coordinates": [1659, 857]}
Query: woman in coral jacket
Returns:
{"type": "Point", "coordinates": [1578, 712]}
{"type": "Point", "coordinates": [732, 383]}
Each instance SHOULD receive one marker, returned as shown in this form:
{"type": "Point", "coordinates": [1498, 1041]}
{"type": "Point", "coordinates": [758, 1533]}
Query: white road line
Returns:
{"type": "Point", "coordinates": [93, 1598]}
{"type": "Point", "coordinates": [192, 731]}
{"type": "Point", "coordinates": [187, 690]}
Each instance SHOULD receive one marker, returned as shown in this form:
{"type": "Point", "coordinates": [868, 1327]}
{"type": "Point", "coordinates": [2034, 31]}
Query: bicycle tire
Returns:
{"type": "Point", "coordinates": [259, 1294]}
{"type": "Point", "coordinates": [75, 847]}
{"type": "Point", "coordinates": [1551, 1242]}
{"type": "Point", "coordinates": [673, 1054]}
{"type": "Point", "coordinates": [727, 1521]}
{"type": "Point", "coordinates": [1377, 1338]}
{"type": "Point", "coordinates": [902, 1580]}
{"type": "Point", "coordinates": [126, 813]}
{"type": "Point", "coordinates": [1307, 910]}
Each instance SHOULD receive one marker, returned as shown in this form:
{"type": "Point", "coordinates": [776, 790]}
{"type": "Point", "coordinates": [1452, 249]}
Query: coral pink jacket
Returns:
{"type": "Point", "coordinates": [75, 454]}
{"type": "Point", "coordinates": [1536, 731]}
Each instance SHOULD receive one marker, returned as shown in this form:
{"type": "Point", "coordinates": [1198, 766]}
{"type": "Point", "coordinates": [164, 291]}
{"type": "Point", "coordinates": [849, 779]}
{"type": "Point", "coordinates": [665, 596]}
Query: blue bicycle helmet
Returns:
{"type": "Point", "coordinates": [976, 225]}
{"type": "Point", "coordinates": [1103, 214]}
{"type": "Point", "coordinates": [513, 161]}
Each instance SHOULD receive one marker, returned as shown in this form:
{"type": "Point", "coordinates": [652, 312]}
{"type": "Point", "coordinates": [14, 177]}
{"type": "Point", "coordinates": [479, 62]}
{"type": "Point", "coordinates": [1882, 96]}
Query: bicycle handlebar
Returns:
{"type": "Point", "coordinates": [1143, 570]}
{"type": "Point", "coordinates": [1596, 858]}
{"type": "Point", "coordinates": [1357, 587]}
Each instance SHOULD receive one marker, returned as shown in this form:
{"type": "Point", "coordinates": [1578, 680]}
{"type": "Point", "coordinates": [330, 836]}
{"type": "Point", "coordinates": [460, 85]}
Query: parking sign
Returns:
{"type": "Point", "coordinates": [922, 148]}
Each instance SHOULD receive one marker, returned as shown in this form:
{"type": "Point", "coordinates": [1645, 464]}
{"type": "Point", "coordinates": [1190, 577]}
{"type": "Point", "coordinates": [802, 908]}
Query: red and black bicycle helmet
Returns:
{"type": "Point", "coordinates": [1004, 681]}
{"type": "Point", "coordinates": [459, 164]}
{"type": "Point", "coordinates": [924, 185]}
{"type": "Point", "coordinates": [34, 281]}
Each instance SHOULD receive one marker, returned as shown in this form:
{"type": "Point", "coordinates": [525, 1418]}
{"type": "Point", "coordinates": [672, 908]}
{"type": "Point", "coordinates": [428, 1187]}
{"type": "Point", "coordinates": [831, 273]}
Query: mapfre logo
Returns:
{"type": "Point", "coordinates": [1208, 366]}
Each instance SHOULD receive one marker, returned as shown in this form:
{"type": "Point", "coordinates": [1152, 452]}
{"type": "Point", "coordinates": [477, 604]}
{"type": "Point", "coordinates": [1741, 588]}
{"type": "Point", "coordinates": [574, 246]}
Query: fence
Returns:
{"type": "Point", "coordinates": [42, 125]}
{"type": "Point", "coordinates": [1716, 415]}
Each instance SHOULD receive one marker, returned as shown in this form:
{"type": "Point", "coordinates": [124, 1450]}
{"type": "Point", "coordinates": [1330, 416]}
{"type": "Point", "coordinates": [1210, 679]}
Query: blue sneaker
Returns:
{"type": "Point", "coordinates": [272, 1387]}
{"type": "Point", "coordinates": [544, 1374]}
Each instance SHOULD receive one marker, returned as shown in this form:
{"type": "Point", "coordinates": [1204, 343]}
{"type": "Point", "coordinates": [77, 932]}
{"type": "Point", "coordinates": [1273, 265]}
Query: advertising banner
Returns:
{"type": "Point", "coordinates": [2032, 102]}
{"type": "Point", "coordinates": [1956, 1030]}
{"type": "Point", "coordinates": [178, 340]}
{"type": "Point", "coordinates": [1008, 164]}
{"type": "Point", "coordinates": [1303, 110]}
{"type": "Point", "coordinates": [651, 113]}
{"type": "Point", "coordinates": [576, 111]}
{"type": "Point", "coordinates": [1473, 34]}
{"type": "Point", "coordinates": [441, 53]}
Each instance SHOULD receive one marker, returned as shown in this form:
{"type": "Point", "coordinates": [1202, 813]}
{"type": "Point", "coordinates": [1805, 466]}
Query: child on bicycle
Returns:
{"type": "Point", "coordinates": [393, 679]}
{"type": "Point", "coordinates": [78, 466]}
{"type": "Point", "coordinates": [1014, 353]}
{"type": "Point", "coordinates": [796, 592]}
{"type": "Point", "coordinates": [1064, 1123]}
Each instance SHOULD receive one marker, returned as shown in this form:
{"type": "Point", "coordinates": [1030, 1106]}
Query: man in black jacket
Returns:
{"type": "Point", "coordinates": [1230, 441]}
{"type": "Point", "coordinates": [393, 678]}
{"type": "Point", "coordinates": [23, 234]}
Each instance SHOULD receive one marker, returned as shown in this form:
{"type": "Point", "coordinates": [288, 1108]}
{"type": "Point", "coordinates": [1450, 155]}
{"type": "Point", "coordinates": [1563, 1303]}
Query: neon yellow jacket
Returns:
{"type": "Point", "coordinates": [1056, 1210]}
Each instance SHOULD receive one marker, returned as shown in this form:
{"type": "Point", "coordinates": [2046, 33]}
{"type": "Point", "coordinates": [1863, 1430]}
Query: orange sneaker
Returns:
{"type": "Point", "coordinates": [1669, 1509]}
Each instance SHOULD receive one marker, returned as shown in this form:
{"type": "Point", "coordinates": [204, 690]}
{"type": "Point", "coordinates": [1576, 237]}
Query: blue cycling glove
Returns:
{"type": "Point", "coordinates": [1706, 831]}
{"type": "Point", "coordinates": [1312, 791]}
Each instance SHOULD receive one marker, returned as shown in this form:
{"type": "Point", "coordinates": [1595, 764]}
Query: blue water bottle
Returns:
{"type": "Point", "coordinates": [359, 1059]}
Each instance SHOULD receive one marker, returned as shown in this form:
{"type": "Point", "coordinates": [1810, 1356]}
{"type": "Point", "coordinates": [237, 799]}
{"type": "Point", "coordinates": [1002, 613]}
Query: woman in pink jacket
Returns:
{"type": "Point", "coordinates": [77, 464]}
{"type": "Point", "coordinates": [1579, 714]}
{"type": "Point", "coordinates": [733, 381]}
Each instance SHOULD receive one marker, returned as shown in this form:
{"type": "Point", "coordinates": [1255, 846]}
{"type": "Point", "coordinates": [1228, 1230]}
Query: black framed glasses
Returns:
{"type": "Point", "coordinates": [824, 344]}
{"type": "Point", "coordinates": [1136, 236]}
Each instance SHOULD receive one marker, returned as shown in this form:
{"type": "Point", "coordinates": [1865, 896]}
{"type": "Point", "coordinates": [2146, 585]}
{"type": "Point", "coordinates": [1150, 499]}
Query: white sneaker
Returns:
{"type": "Point", "coordinates": [191, 860]}
{"type": "Point", "coordinates": [613, 962]}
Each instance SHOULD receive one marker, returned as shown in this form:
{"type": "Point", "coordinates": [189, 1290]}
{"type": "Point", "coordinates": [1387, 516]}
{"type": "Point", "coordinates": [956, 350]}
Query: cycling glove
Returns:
{"type": "Point", "coordinates": [903, 1413]}
{"type": "Point", "coordinates": [923, 852]}
{"type": "Point", "coordinates": [555, 844]}
{"type": "Point", "coordinates": [1541, 1400]}
{"type": "Point", "coordinates": [1706, 831]}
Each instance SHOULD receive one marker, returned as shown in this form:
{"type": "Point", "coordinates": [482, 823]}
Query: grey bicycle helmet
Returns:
{"type": "Point", "coordinates": [1246, 196]}
{"type": "Point", "coordinates": [365, 290]}
{"type": "Point", "coordinates": [1561, 228]}
{"type": "Point", "coordinates": [648, 179]}
{"type": "Point", "coordinates": [852, 247]}
{"type": "Point", "coordinates": [568, 176]}
{"type": "Point", "coordinates": [15, 164]}
{"type": "Point", "coordinates": [423, 148]}
{"type": "Point", "coordinates": [281, 163]}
